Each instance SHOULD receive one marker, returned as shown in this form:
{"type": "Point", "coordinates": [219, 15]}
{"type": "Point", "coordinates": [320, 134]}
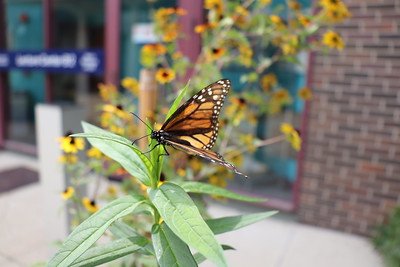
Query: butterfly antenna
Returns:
{"type": "Point", "coordinates": [134, 141]}
{"type": "Point", "coordinates": [142, 121]}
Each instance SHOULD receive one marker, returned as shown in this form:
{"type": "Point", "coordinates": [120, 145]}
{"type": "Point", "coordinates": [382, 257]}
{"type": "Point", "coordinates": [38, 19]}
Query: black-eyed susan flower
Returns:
{"type": "Point", "coordinates": [204, 27]}
{"type": "Point", "coordinates": [68, 193]}
{"type": "Point", "coordinates": [180, 11]}
{"type": "Point", "coordinates": [165, 75]}
{"type": "Point", "coordinates": [68, 159]}
{"type": "Point", "coordinates": [290, 45]}
{"type": "Point", "coordinates": [214, 4]}
{"type": "Point", "coordinates": [217, 181]}
{"type": "Point", "coordinates": [181, 172]}
{"type": "Point", "coordinates": [245, 55]}
{"type": "Point", "coordinates": [249, 141]}
{"type": "Point", "coordinates": [112, 190]}
{"type": "Point", "coordinates": [105, 119]}
{"type": "Point", "coordinates": [277, 21]}
{"type": "Point", "coordinates": [337, 15]}
{"type": "Point", "coordinates": [291, 135]}
{"type": "Point", "coordinates": [170, 32]}
{"type": "Point", "coordinates": [71, 144]}
{"type": "Point", "coordinates": [304, 20]}
{"type": "Point", "coordinates": [236, 110]}
{"type": "Point", "coordinates": [281, 96]}
{"type": "Point", "coordinates": [268, 81]}
{"type": "Point", "coordinates": [161, 16]}
{"type": "Point", "coordinates": [241, 16]}
{"type": "Point", "coordinates": [195, 164]}
{"type": "Point", "coordinates": [94, 153]}
{"type": "Point", "coordinates": [305, 93]}
{"type": "Point", "coordinates": [154, 49]}
{"type": "Point", "coordinates": [333, 40]}
{"type": "Point", "coordinates": [90, 205]}
{"type": "Point", "coordinates": [117, 110]}
{"type": "Point", "coordinates": [294, 5]}
{"type": "Point", "coordinates": [107, 91]}
{"type": "Point", "coordinates": [330, 4]}
{"type": "Point", "coordinates": [265, 2]}
{"type": "Point", "coordinates": [131, 84]}
{"type": "Point", "coordinates": [215, 53]}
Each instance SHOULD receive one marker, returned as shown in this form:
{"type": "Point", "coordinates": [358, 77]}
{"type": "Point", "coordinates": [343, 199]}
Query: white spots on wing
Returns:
{"type": "Point", "coordinates": [215, 111]}
{"type": "Point", "coordinates": [209, 93]}
{"type": "Point", "coordinates": [202, 100]}
{"type": "Point", "coordinates": [195, 96]}
{"type": "Point", "coordinates": [200, 97]}
{"type": "Point", "coordinates": [218, 102]}
{"type": "Point", "coordinates": [203, 91]}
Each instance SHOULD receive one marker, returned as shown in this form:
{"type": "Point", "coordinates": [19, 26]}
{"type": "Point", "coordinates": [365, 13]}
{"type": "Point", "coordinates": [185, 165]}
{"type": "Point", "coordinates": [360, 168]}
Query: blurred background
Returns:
{"type": "Point", "coordinates": [334, 193]}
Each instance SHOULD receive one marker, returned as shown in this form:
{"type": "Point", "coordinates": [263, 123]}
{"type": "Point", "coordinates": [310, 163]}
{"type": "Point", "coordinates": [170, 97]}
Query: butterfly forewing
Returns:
{"type": "Point", "coordinates": [196, 121]}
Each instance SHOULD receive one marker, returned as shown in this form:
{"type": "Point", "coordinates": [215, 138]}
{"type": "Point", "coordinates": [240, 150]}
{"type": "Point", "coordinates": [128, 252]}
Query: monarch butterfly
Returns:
{"type": "Point", "coordinates": [193, 127]}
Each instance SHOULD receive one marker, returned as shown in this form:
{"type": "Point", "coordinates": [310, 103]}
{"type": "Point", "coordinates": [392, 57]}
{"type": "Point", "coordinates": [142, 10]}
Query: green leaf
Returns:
{"type": "Point", "coordinates": [169, 249]}
{"type": "Point", "coordinates": [122, 230]}
{"type": "Point", "coordinates": [121, 150]}
{"type": "Point", "coordinates": [183, 218]}
{"type": "Point", "coordinates": [109, 252]}
{"type": "Point", "coordinates": [200, 258]}
{"type": "Point", "coordinates": [203, 188]}
{"type": "Point", "coordinates": [226, 224]}
{"type": "Point", "coordinates": [178, 100]}
{"type": "Point", "coordinates": [87, 233]}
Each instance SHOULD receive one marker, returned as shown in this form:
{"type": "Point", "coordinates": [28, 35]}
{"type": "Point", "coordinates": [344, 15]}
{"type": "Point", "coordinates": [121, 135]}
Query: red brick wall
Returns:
{"type": "Point", "coordinates": [351, 176]}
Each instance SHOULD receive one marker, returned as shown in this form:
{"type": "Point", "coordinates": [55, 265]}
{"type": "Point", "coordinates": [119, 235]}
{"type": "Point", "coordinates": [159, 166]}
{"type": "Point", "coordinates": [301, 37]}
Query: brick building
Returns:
{"type": "Point", "coordinates": [351, 169]}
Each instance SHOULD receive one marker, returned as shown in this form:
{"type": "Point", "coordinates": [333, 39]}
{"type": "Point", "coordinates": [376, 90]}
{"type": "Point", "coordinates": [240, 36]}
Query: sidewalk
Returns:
{"type": "Point", "coordinates": [279, 241]}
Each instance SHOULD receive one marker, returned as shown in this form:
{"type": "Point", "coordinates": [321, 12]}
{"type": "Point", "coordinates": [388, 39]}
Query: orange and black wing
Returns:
{"type": "Point", "coordinates": [206, 154]}
{"type": "Point", "coordinates": [196, 121]}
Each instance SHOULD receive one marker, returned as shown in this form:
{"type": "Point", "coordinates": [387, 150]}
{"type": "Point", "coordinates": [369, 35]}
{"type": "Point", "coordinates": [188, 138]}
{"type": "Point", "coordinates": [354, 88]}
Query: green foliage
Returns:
{"type": "Point", "coordinates": [177, 222]}
{"type": "Point", "coordinates": [387, 239]}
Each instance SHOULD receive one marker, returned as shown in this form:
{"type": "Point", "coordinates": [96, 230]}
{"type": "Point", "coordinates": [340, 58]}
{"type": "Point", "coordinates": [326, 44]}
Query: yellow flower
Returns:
{"type": "Point", "coordinates": [265, 2]}
{"type": "Point", "coordinates": [68, 193]}
{"type": "Point", "coordinates": [337, 14]}
{"type": "Point", "coordinates": [290, 45]}
{"type": "Point", "coordinates": [268, 81]}
{"type": "Point", "coordinates": [90, 205]}
{"type": "Point", "coordinates": [240, 17]}
{"type": "Point", "coordinates": [107, 91]}
{"type": "Point", "coordinates": [118, 110]}
{"type": "Point", "coordinates": [131, 84]}
{"type": "Point", "coordinates": [245, 55]}
{"type": "Point", "coordinates": [330, 4]}
{"type": "Point", "coordinates": [286, 128]}
{"type": "Point", "coordinates": [291, 135]}
{"type": "Point", "coordinates": [165, 75]}
{"type": "Point", "coordinates": [162, 14]}
{"type": "Point", "coordinates": [237, 110]}
{"type": "Point", "coordinates": [293, 4]}
{"type": "Point", "coordinates": [71, 144]}
{"type": "Point", "coordinates": [112, 190]}
{"type": "Point", "coordinates": [215, 53]}
{"type": "Point", "coordinates": [94, 153]}
{"type": "Point", "coordinates": [305, 21]}
{"type": "Point", "coordinates": [204, 27]}
{"type": "Point", "coordinates": [170, 32]}
{"type": "Point", "coordinates": [117, 130]}
{"type": "Point", "coordinates": [215, 180]}
{"type": "Point", "coordinates": [277, 21]}
{"type": "Point", "coordinates": [281, 96]}
{"type": "Point", "coordinates": [213, 4]}
{"type": "Point", "coordinates": [177, 55]}
{"type": "Point", "coordinates": [68, 159]}
{"type": "Point", "coordinates": [333, 40]}
{"type": "Point", "coordinates": [180, 11]}
{"type": "Point", "coordinates": [305, 93]}
{"type": "Point", "coordinates": [105, 119]}
{"type": "Point", "coordinates": [181, 172]}
{"type": "Point", "coordinates": [248, 141]}
{"type": "Point", "coordinates": [195, 164]}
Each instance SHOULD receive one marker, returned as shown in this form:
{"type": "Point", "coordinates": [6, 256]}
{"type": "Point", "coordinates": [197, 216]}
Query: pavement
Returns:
{"type": "Point", "coordinates": [279, 241]}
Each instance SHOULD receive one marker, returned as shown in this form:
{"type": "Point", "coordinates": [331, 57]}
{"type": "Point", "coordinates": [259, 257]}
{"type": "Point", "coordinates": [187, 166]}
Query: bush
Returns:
{"type": "Point", "coordinates": [387, 239]}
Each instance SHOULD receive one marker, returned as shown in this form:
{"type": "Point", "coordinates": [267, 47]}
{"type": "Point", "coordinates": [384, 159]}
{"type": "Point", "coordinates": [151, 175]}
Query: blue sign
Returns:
{"type": "Point", "coordinates": [72, 61]}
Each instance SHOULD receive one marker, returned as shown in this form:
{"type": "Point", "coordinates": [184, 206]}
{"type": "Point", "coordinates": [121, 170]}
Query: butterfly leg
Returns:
{"type": "Point", "coordinates": [152, 148]}
{"type": "Point", "coordinates": [166, 153]}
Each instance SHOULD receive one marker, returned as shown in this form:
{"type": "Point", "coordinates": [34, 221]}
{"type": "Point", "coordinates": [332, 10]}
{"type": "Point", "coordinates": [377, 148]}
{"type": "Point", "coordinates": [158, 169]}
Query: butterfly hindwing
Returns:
{"type": "Point", "coordinates": [196, 121]}
{"type": "Point", "coordinates": [206, 154]}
